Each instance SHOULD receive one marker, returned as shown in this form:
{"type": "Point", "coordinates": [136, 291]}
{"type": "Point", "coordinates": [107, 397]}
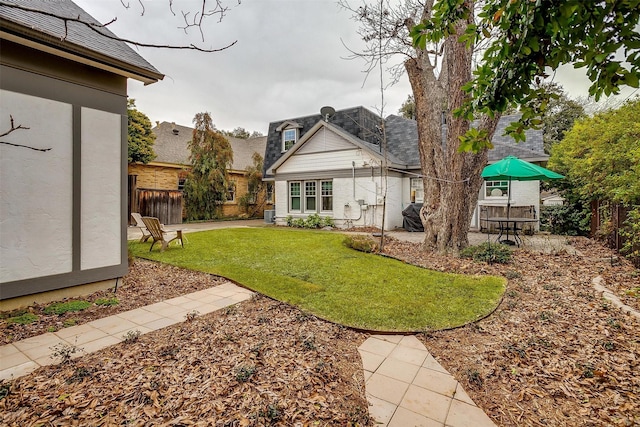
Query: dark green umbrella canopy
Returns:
{"type": "Point", "coordinates": [512, 168]}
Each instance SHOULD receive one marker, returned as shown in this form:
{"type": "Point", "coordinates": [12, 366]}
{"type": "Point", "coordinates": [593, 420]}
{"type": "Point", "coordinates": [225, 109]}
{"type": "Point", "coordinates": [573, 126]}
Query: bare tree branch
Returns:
{"type": "Point", "coordinates": [98, 27]}
{"type": "Point", "coordinates": [15, 128]}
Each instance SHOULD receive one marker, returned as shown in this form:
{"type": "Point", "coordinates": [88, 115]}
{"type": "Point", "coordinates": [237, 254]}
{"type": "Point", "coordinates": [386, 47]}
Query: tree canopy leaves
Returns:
{"type": "Point", "coordinates": [207, 184]}
{"type": "Point", "coordinates": [140, 136]}
{"type": "Point", "coordinates": [528, 39]}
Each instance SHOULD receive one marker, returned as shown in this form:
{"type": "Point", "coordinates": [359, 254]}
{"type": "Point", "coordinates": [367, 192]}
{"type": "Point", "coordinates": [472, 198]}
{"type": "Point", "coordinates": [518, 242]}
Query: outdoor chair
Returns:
{"type": "Point", "coordinates": [143, 228]}
{"type": "Point", "coordinates": [159, 234]}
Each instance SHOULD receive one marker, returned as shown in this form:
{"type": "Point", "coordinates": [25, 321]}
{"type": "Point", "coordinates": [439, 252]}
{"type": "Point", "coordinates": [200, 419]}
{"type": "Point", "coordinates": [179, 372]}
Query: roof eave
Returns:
{"type": "Point", "coordinates": [44, 42]}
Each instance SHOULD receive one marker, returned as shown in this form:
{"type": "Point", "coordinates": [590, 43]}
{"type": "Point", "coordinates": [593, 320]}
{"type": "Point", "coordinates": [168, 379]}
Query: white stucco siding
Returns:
{"type": "Point", "coordinates": [35, 188]}
{"type": "Point", "coordinates": [100, 222]}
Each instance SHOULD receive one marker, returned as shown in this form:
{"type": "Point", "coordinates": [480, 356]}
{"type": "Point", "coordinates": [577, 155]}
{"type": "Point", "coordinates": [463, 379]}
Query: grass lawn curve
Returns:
{"type": "Point", "coordinates": [314, 271]}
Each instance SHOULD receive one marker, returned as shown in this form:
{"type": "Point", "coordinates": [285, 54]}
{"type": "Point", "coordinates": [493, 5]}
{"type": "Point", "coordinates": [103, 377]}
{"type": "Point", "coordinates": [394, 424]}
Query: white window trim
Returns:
{"type": "Point", "coordinates": [303, 197]}
{"type": "Point", "coordinates": [320, 196]}
{"type": "Point", "coordinates": [290, 209]}
{"type": "Point", "coordinates": [503, 197]}
{"type": "Point", "coordinates": [295, 139]}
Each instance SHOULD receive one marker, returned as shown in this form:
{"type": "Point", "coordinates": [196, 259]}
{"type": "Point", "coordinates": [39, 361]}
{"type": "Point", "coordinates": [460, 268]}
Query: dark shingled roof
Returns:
{"type": "Point", "coordinates": [76, 38]}
{"type": "Point", "coordinates": [402, 137]}
{"type": "Point", "coordinates": [173, 147]}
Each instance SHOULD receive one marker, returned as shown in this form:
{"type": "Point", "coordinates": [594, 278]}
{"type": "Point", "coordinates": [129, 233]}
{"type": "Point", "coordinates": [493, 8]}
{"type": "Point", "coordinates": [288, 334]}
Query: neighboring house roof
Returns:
{"type": "Point", "coordinates": [402, 137]}
{"type": "Point", "coordinates": [37, 24]}
{"type": "Point", "coordinates": [364, 145]}
{"type": "Point", "coordinates": [172, 146]}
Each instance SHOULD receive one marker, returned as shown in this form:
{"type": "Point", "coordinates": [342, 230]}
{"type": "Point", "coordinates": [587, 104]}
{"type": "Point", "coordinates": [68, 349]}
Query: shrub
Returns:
{"type": "Point", "coordinates": [361, 243]}
{"type": "Point", "coordinates": [488, 253]}
{"type": "Point", "coordinates": [23, 319]}
{"type": "Point", "coordinates": [65, 307]}
{"type": "Point", "coordinates": [564, 220]}
{"type": "Point", "coordinates": [312, 221]}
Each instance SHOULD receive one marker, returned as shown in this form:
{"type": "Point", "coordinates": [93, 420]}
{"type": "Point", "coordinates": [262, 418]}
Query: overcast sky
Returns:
{"type": "Point", "coordinates": [288, 62]}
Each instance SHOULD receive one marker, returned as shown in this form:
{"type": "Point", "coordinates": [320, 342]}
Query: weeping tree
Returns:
{"type": "Point", "coordinates": [206, 186]}
{"type": "Point", "coordinates": [254, 200]}
{"type": "Point", "coordinates": [469, 60]}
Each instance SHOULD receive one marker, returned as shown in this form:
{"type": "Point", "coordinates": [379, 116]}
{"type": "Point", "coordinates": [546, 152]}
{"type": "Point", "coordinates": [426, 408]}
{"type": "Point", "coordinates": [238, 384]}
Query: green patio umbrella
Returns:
{"type": "Point", "coordinates": [512, 168]}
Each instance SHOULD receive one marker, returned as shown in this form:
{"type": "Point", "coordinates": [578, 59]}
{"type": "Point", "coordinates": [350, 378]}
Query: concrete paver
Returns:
{"type": "Point", "coordinates": [24, 356]}
{"type": "Point", "coordinates": [406, 386]}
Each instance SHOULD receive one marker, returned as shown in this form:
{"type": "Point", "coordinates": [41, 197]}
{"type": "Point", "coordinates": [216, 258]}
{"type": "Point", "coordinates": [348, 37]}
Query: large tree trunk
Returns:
{"type": "Point", "coordinates": [451, 179]}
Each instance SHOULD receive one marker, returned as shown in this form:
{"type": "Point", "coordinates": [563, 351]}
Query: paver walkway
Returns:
{"type": "Point", "coordinates": [406, 386]}
{"type": "Point", "coordinates": [22, 357]}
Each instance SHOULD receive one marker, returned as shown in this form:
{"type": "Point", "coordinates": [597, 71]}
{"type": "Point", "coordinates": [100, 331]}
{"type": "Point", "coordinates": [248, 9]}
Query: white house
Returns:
{"type": "Point", "coordinates": [333, 166]}
{"type": "Point", "coordinates": [63, 175]}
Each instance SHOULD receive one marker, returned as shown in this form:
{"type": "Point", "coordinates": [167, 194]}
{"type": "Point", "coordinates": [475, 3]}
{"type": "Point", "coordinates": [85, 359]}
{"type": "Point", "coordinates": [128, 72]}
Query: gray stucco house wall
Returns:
{"type": "Point", "coordinates": [62, 211]}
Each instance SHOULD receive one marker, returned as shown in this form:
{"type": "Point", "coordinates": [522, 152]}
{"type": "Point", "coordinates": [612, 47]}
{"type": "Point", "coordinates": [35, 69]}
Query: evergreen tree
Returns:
{"type": "Point", "coordinates": [206, 187]}
{"type": "Point", "coordinates": [140, 136]}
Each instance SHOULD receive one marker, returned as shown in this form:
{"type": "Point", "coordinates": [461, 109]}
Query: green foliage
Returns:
{"type": "Point", "coordinates": [140, 136]}
{"type": "Point", "coordinates": [241, 133]}
{"type": "Point", "coordinates": [23, 319]}
{"type": "Point", "coordinates": [107, 301]}
{"type": "Point", "coordinates": [244, 373]}
{"type": "Point", "coordinates": [65, 307]}
{"type": "Point", "coordinates": [488, 252]}
{"type": "Point", "coordinates": [567, 219]}
{"type": "Point", "coordinates": [255, 197]}
{"type": "Point", "coordinates": [408, 108]}
{"type": "Point", "coordinates": [312, 221]}
{"type": "Point", "coordinates": [630, 232]}
{"type": "Point", "coordinates": [601, 155]}
{"type": "Point", "coordinates": [314, 271]}
{"type": "Point", "coordinates": [526, 39]}
{"type": "Point", "coordinates": [205, 189]}
{"type": "Point", "coordinates": [361, 243]}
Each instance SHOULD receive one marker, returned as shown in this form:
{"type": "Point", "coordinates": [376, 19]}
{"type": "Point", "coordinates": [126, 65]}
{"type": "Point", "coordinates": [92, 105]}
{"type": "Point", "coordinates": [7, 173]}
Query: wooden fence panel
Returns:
{"type": "Point", "coordinates": [166, 205]}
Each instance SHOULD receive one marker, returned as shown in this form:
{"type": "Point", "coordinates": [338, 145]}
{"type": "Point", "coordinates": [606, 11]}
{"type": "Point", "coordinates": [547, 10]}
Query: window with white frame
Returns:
{"type": "Point", "coordinates": [416, 190]}
{"type": "Point", "coordinates": [289, 138]}
{"type": "Point", "coordinates": [326, 196]}
{"type": "Point", "coordinates": [310, 196]}
{"type": "Point", "coordinates": [294, 196]}
{"type": "Point", "coordinates": [496, 189]}
{"type": "Point", "coordinates": [305, 197]}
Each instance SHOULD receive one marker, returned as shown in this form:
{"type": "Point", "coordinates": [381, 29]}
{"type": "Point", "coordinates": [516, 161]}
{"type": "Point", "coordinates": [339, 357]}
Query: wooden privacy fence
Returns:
{"type": "Point", "coordinates": [602, 212]}
{"type": "Point", "coordinates": [166, 205]}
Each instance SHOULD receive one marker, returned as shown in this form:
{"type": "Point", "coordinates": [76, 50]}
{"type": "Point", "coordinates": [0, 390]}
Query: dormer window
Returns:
{"type": "Point", "coordinates": [290, 134]}
{"type": "Point", "coordinates": [289, 137]}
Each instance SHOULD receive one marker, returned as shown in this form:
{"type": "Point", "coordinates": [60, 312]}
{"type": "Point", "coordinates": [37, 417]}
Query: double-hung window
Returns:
{"type": "Point", "coordinates": [294, 196]}
{"type": "Point", "coordinates": [289, 137]}
{"type": "Point", "coordinates": [417, 190]}
{"type": "Point", "coordinates": [310, 196]}
{"type": "Point", "coordinates": [326, 196]}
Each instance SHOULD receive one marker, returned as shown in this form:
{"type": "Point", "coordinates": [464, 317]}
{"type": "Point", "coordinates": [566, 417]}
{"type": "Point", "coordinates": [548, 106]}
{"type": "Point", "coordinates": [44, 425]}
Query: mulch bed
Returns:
{"type": "Point", "coordinates": [553, 353]}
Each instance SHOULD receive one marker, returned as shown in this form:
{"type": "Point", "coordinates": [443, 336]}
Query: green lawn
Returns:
{"type": "Point", "coordinates": [316, 272]}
